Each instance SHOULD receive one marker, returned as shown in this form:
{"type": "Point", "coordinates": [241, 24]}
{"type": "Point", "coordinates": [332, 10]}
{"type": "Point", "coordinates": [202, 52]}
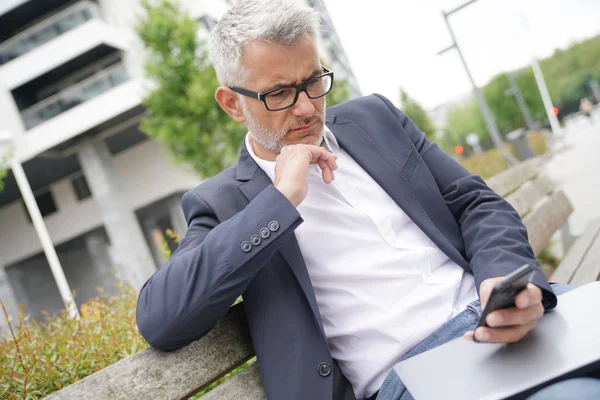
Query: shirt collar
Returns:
{"type": "Point", "coordinates": [329, 142]}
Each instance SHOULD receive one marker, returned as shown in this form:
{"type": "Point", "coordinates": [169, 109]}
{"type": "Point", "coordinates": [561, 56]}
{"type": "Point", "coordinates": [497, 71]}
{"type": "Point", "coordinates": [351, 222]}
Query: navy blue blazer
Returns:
{"type": "Point", "coordinates": [212, 266]}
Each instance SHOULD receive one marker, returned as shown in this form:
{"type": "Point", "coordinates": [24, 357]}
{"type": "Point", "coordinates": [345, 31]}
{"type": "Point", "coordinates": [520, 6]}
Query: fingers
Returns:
{"type": "Point", "coordinates": [325, 160]}
{"type": "Point", "coordinates": [328, 175]}
{"type": "Point", "coordinates": [486, 289]}
{"type": "Point", "coordinates": [501, 335]}
{"type": "Point", "coordinates": [515, 316]}
{"type": "Point", "coordinates": [528, 296]}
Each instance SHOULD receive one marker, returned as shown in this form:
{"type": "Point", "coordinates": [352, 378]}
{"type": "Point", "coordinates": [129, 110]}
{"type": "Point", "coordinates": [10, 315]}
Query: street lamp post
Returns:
{"type": "Point", "coordinates": [485, 111]}
{"type": "Point", "coordinates": [516, 92]}
{"type": "Point", "coordinates": [40, 227]}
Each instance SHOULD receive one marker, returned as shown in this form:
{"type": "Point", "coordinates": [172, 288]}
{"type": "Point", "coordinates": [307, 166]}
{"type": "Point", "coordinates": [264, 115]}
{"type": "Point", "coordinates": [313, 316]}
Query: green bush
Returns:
{"type": "Point", "coordinates": [38, 358]}
{"type": "Point", "coordinates": [486, 164]}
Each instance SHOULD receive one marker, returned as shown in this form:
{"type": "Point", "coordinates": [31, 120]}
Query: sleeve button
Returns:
{"type": "Point", "coordinates": [273, 226]}
{"type": "Point", "coordinates": [246, 247]}
{"type": "Point", "coordinates": [264, 233]}
{"type": "Point", "coordinates": [255, 240]}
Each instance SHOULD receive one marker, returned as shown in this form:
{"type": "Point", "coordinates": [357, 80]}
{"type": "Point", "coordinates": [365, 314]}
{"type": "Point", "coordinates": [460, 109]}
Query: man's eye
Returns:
{"type": "Point", "coordinates": [278, 93]}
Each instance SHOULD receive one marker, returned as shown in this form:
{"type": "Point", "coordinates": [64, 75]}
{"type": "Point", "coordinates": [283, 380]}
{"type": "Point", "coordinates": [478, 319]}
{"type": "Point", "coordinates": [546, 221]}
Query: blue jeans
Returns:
{"type": "Point", "coordinates": [577, 388]}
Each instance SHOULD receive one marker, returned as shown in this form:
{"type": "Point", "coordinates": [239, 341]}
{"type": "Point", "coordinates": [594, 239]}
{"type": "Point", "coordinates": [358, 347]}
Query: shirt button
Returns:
{"type": "Point", "coordinates": [255, 240]}
{"type": "Point", "coordinates": [273, 226]}
{"type": "Point", "coordinates": [264, 233]}
{"type": "Point", "coordinates": [324, 369]}
{"type": "Point", "coordinates": [246, 247]}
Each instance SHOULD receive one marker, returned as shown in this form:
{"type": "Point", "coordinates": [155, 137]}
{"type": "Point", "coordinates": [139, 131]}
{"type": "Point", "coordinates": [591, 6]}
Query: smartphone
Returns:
{"type": "Point", "coordinates": [504, 292]}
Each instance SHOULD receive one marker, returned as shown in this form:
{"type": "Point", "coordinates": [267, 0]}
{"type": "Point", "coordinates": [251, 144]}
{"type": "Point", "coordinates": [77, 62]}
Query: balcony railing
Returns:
{"type": "Point", "coordinates": [77, 94]}
{"type": "Point", "coordinates": [47, 30]}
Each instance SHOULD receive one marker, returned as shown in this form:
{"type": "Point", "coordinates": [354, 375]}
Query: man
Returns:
{"type": "Point", "coordinates": [351, 237]}
{"type": "Point", "coordinates": [586, 107]}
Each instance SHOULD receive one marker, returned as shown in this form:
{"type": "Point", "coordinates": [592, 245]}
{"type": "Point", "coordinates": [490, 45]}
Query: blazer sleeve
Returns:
{"type": "Point", "coordinates": [496, 241]}
{"type": "Point", "coordinates": [184, 299]}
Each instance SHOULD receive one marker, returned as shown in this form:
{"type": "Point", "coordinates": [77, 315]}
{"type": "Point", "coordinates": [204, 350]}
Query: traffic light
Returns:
{"type": "Point", "coordinates": [555, 110]}
{"type": "Point", "coordinates": [459, 149]}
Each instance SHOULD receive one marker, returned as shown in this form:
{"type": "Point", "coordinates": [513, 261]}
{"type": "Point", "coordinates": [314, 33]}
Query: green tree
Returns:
{"type": "Point", "coordinates": [462, 120]}
{"type": "Point", "coordinates": [417, 114]}
{"type": "Point", "coordinates": [566, 73]}
{"type": "Point", "coordinates": [182, 111]}
{"type": "Point", "coordinates": [339, 93]}
{"type": "Point", "coordinates": [2, 176]}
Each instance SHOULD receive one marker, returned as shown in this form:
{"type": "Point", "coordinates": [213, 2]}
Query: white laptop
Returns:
{"type": "Point", "coordinates": [565, 342]}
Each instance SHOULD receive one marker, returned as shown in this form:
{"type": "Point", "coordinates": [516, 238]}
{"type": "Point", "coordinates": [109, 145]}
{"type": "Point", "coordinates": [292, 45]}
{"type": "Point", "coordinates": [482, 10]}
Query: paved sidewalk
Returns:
{"type": "Point", "coordinates": [577, 170]}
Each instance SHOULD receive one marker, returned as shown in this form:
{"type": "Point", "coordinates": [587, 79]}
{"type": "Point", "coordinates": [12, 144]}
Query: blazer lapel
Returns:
{"type": "Point", "coordinates": [385, 167]}
{"type": "Point", "coordinates": [252, 181]}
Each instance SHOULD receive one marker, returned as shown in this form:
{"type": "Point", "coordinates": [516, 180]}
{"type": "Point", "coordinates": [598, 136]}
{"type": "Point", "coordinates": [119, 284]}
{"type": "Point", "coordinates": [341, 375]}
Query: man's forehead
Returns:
{"type": "Point", "coordinates": [275, 61]}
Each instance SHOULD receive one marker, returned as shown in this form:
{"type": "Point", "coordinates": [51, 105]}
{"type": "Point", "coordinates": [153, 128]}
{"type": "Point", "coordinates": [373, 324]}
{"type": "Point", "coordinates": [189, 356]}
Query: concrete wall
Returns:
{"type": "Point", "coordinates": [146, 175]}
{"type": "Point", "coordinates": [33, 284]}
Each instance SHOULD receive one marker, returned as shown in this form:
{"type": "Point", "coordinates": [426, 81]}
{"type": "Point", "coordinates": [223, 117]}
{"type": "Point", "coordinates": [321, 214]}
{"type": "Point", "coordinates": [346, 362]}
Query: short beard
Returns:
{"type": "Point", "coordinates": [276, 140]}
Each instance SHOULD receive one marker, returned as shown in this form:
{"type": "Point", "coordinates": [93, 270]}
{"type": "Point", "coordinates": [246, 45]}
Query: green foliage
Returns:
{"type": "Point", "coordinates": [491, 162]}
{"type": "Point", "coordinates": [565, 72]}
{"type": "Point", "coordinates": [417, 114]}
{"type": "Point", "coordinates": [2, 176]}
{"type": "Point", "coordinates": [486, 164]}
{"type": "Point", "coordinates": [462, 120]}
{"type": "Point", "coordinates": [182, 111]}
{"type": "Point", "coordinates": [38, 358]}
{"type": "Point", "coordinates": [3, 171]}
{"type": "Point", "coordinates": [340, 92]}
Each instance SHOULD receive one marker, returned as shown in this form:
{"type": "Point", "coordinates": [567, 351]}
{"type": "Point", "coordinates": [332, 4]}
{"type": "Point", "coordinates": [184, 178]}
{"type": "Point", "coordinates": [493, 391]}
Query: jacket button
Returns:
{"type": "Point", "coordinates": [246, 247]}
{"type": "Point", "coordinates": [324, 369]}
{"type": "Point", "coordinates": [264, 233]}
{"type": "Point", "coordinates": [255, 240]}
{"type": "Point", "coordinates": [273, 226]}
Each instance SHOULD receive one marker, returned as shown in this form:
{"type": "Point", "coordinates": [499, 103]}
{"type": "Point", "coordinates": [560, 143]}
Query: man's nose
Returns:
{"type": "Point", "coordinates": [304, 106]}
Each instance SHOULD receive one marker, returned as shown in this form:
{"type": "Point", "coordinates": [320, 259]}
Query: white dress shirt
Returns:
{"type": "Point", "coordinates": [380, 283]}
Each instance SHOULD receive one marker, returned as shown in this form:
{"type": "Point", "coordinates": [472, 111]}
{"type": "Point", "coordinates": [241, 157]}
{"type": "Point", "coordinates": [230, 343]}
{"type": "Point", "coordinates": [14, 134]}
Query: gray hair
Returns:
{"type": "Point", "coordinates": [273, 21]}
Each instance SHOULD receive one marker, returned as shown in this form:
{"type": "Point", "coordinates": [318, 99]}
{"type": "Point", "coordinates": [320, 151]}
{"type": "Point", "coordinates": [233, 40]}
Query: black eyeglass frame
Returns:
{"type": "Point", "coordinates": [301, 87]}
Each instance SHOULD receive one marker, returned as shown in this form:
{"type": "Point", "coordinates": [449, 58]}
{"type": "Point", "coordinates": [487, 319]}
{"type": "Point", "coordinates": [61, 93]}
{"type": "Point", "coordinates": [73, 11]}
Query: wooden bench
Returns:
{"type": "Point", "coordinates": [151, 374]}
{"type": "Point", "coordinates": [544, 211]}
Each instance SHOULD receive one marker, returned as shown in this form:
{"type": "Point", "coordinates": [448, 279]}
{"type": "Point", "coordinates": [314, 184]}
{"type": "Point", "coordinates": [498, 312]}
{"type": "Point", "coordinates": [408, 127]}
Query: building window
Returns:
{"type": "Point", "coordinates": [81, 188]}
{"type": "Point", "coordinates": [45, 202]}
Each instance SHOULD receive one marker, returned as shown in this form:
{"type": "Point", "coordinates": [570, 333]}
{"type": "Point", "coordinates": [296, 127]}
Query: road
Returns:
{"type": "Point", "coordinates": [576, 169]}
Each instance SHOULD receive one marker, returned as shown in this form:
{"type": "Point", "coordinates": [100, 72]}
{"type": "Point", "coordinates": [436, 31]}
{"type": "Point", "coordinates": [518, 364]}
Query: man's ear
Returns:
{"type": "Point", "coordinates": [230, 102]}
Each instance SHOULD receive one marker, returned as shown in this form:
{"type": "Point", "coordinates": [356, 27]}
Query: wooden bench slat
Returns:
{"type": "Point", "coordinates": [153, 374]}
{"type": "Point", "coordinates": [576, 254]}
{"type": "Point", "coordinates": [506, 182]}
{"type": "Point", "coordinates": [530, 193]}
{"type": "Point", "coordinates": [546, 219]}
{"type": "Point", "coordinates": [589, 270]}
{"type": "Point", "coordinates": [246, 385]}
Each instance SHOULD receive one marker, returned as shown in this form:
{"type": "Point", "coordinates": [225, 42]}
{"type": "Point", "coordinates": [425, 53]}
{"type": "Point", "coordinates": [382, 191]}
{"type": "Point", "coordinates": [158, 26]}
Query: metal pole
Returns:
{"type": "Point", "coordinates": [539, 77]}
{"type": "Point", "coordinates": [461, 7]}
{"type": "Point", "coordinates": [485, 111]}
{"type": "Point", "coordinates": [516, 91]}
{"type": "Point", "coordinates": [40, 227]}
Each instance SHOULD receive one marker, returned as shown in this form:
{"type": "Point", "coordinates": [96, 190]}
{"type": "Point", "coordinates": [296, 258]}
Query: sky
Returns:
{"type": "Point", "coordinates": [394, 43]}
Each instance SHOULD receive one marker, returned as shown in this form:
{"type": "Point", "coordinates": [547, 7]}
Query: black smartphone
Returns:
{"type": "Point", "coordinates": [504, 292]}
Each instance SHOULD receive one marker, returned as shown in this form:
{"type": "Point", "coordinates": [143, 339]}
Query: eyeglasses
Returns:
{"type": "Point", "coordinates": [286, 96]}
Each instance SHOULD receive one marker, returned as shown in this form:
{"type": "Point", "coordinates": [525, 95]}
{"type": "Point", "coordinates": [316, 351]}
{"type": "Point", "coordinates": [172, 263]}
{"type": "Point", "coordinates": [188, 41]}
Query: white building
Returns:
{"type": "Point", "coordinates": [70, 92]}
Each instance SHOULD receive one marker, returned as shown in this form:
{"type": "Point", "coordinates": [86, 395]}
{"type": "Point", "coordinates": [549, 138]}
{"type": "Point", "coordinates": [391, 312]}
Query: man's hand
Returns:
{"type": "Point", "coordinates": [509, 325]}
{"type": "Point", "coordinates": [291, 169]}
